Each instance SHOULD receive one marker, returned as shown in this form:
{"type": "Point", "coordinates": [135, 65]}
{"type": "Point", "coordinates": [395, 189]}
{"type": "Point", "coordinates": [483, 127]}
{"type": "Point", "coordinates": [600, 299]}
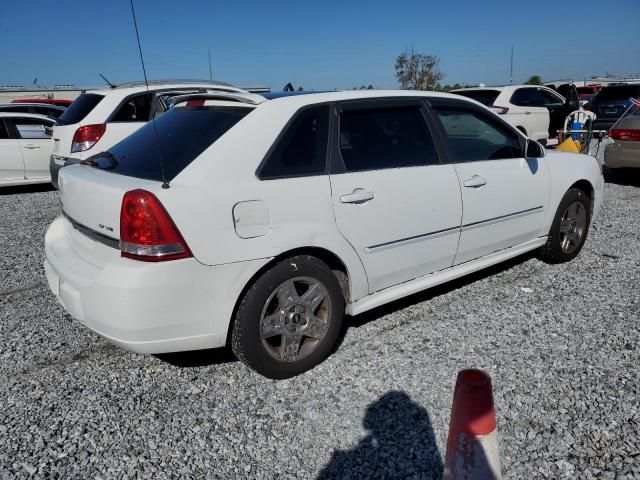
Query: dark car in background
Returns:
{"type": "Point", "coordinates": [611, 102]}
{"type": "Point", "coordinates": [51, 111]}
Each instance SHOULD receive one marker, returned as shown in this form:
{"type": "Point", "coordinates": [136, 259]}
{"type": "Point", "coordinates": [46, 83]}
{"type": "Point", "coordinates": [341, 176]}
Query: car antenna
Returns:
{"type": "Point", "coordinates": [165, 184]}
{"type": "Point", "coordinates": [111, 85]}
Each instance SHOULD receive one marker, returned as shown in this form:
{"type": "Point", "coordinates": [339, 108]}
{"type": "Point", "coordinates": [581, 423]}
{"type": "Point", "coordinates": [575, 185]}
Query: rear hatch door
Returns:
{"type": "Point", "coordinates": [70, 120]}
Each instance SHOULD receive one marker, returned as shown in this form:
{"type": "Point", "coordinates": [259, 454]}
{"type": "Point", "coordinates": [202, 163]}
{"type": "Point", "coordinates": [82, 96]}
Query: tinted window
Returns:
{"type": "Point", "coordinates": [4, 133]}
{"type": "Point", "coordinates": [385, 138]}
{"type": "Point", "coordinates": [48, 111]}
{"type": "Point", "coordinates": [474, 136]}
{"type": "Point", "coordinates": [32, 128]}
{"type": "Point", "coordinates": [80, 108]}
{"type": "Point", "coordinates": [183, 133]}
{"type": "Point", "coordinates": [620, 92]}
{"type": "Point", "coordinates": [550, 99]}
{"type": "Point", "coordinates": [302, 150]}
{"type": "Point", "coordinates": [485, 97]}
{"type": "Point", "coordinates": [136, 109]}
{"type": "Point", "coordinates": [15, 108]}
{"type": "Point", "coordinates": [527, 97]}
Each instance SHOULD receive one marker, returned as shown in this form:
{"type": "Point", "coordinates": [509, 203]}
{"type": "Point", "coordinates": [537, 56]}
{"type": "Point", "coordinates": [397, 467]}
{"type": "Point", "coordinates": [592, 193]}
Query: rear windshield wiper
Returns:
{"type": "Point", "coordinates": [95, 162]}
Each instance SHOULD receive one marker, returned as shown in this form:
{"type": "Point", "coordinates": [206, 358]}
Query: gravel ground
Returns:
{"type": "Point", "coordinates": [561, 343]}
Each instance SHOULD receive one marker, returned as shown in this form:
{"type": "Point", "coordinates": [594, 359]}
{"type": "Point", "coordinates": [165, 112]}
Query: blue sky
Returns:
{"type": "Point", "coordinates": [319, 45]}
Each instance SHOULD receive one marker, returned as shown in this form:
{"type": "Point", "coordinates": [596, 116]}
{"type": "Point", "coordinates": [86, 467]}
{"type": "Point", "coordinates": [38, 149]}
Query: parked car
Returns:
{"type": "Point", "coordinates": [25, 147]}
{"type": "Point", "coordinates": [535, 110]}
{"type": "Point", "coordinates": [611, 103]}
{"type": "Point", "coordinates": [98, 119]}
{"type": "Point", "coordinates": [265, 221]}
{"type": "Point", "coordinates": [49, 101]}
{"type": "Point", "coordinates": [51, 111]}
{"type": "Point", "coordinates": [625, 149]}
{"type": "Point", "coordinates": [588, 92]}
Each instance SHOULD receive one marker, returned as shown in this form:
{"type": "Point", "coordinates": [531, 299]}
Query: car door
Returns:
{"type": "Point", "coordinates": [557, 108]}
{"type": "Point", "coordinates": [11, 163]}
{"type": "Point", "coordinates": [394, 201]}
{"type": "Point", "coordinates": [504, 194]}
{"type": "Point", "coordinates": [530, 112]}
{"type": "Point", "coordinates": [34, 139]}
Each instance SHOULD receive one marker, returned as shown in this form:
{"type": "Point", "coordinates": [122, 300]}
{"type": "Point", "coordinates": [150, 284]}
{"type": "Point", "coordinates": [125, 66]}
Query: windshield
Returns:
{"type": "Point", "coordinates": [183, 133]}
{"type": "Point", "coordinates": [485, 97]}
{"type": "Point", "coordinates": [80, 108]}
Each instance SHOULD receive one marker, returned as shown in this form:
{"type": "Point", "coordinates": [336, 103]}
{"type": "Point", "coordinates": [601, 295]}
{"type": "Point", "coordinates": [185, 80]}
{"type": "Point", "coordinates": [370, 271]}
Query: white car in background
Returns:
{"type": "Point", "coordinates": [98, 119]}
{"type": "Point", "coordinates": [25, 147]}
{"type": "Point", "coordinates": [262, 222]}
{"type": "Point", "coordinates": [535, 110]}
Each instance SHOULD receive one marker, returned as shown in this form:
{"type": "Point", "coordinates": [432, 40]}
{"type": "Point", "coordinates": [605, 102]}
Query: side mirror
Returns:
{"type": "Point", "coordinates": [534, 149]}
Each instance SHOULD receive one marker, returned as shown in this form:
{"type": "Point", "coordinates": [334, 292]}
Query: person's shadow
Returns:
{"type": "Point", "coordinates": [400, 444]}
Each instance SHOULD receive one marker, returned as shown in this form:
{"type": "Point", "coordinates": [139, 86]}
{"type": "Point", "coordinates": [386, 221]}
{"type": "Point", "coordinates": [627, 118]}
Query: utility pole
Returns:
{"type": "Point", "coordinates": [209, 55]}
{"type": "Point", "coordinates": [511, 70]}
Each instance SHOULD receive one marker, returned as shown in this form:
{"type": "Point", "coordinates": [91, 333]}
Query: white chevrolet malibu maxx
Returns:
{"type": "Point", "coordinates": [260, 223]}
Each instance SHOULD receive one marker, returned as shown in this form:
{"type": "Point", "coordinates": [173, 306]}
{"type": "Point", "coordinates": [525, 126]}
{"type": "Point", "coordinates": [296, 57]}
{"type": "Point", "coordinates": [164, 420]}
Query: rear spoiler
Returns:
{"type": "Point", "coordinates": [249, 98]}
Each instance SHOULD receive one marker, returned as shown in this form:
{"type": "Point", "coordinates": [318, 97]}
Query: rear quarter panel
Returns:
{"type": "Point", "coordinates": [300, 213]}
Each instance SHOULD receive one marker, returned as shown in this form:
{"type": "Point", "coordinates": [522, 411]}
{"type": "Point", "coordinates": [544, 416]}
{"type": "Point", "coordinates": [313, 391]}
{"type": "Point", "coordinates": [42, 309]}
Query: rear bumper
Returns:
{"type": "Point", "coordinates": [143, 307]}
{"type": "Point", "coordinates": [619, 155]}
{"type": "Point", "coordinates": [56, 162]}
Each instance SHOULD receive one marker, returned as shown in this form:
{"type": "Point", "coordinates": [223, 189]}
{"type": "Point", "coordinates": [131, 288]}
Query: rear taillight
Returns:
{"type": "Point", "coordinates": [147, 232]}
{"type": "Point", "coordinates": [498, 110]}
{"type": "Point", "coordinates": [87, 136]}
{"type": "Point", "coordinates": [631, 135]}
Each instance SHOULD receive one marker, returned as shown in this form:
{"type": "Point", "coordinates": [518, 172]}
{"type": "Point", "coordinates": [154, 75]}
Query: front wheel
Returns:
{"type": "Point", "coordinates": [289, 319]}
{"type": "Point", "coordinates": [569, 228]}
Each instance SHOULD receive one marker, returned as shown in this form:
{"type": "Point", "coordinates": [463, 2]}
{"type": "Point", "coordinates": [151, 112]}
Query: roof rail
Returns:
{"type": "Point", "coordinates": [250, 98]}
{"type": "Point", "coordinates": [173, 81]}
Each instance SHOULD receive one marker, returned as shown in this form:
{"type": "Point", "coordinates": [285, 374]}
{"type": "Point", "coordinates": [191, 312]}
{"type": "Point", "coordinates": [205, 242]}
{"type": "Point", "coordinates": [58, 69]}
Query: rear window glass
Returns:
{"type": "Point", "coordinates": [621, 92]}
{"type": "Point", "coordinates": [80, 108]}
{"type": "Point", "coordinates": [183, 133]}
{"type": "Point", "coordinates": [485, 97]}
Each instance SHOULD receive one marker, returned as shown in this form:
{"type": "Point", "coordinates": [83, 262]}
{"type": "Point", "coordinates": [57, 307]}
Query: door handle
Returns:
{"type": "Point", "coordinates": [527, 112]}
{"type": "Point", "coordinates": [475, 182]}
{"type": "Point", "coordinates": [359, 195]}
{"type": "Point", "coordinates": [31, 147]}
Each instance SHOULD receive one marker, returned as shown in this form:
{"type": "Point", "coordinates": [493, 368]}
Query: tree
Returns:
{"type": "Point", "coordinates": [534, 80]}
{"type": "Point", "coordinates": [417, 71]}
{"type": "Point", "coordinates": [370, 87]}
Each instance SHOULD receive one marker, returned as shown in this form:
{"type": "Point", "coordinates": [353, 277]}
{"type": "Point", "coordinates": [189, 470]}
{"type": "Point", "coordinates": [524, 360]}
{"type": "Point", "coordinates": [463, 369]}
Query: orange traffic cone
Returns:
{"type": "Point", "coordinates": [472, 446]}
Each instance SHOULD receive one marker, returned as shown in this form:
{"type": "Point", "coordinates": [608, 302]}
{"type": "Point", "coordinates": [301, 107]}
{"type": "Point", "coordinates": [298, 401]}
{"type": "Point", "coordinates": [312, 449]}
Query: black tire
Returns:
{"type": "Point", "coordinates": [260, 355]}
{"type": "Point", "coordinates": [553, 251]}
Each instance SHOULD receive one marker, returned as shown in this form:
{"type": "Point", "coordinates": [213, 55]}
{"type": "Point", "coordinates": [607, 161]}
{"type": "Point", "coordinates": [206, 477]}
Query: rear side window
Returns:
{"type": "Point", "coordinates": [485, 97]}
{"type": "Point", "coordinates": [550, 99]}
{"type": "Point", "coordinates": [619, 92]}
{"type": "Point", "coordinates": [183, 133]}
{"type": "Point", "coordinates": [80, 108]}
{"type": "Point", "coordinates": [32, 128]}
{"type": "Point", "coordinates": [527, 97]}
{"type": "Point", "coordinates": [302, 150]}
{"type": "Point", "coordinates": [475, 137]}
{"type": "Point", "coordinates": [136, 109]}
{"type": "Point", "coordinates": [381, 138]}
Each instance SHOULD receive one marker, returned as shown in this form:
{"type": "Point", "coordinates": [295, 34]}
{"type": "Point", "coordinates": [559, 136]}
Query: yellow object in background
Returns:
{"type": "Point", "coordinates": [569, 145]}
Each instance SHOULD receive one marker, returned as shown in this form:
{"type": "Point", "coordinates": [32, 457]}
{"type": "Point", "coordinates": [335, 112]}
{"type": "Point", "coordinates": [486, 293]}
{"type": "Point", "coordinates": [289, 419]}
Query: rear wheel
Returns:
{"type": "Point", "coordinates": [569, 229]}
{"type": "Point", "coordinates": [289, 319]}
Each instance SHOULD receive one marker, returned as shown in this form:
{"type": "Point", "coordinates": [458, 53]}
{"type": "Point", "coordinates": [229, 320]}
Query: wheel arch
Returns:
{"type": "Point", "coordinates": [332, 260]}
{"type": "Point", "coordinates": [587, 188]}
